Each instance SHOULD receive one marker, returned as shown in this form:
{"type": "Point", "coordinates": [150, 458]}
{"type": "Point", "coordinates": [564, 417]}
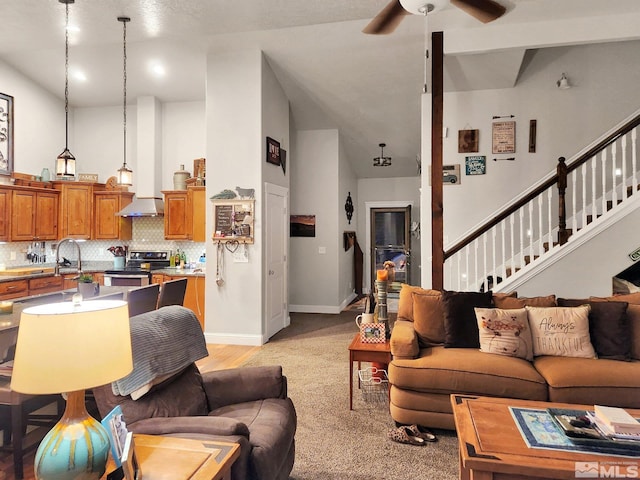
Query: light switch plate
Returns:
{"type": "Point", "coordinates": [322, 250]}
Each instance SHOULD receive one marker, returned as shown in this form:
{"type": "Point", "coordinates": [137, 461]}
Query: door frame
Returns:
{"type": "Point", "coordinates": [366, 288]}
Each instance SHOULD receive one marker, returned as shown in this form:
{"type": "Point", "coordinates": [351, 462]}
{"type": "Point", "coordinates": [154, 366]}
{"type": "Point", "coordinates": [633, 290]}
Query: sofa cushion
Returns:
{"type": "Point", "coordinates": [633, 316]}
{"type": "Point", "coordinates": [464, 370]}
{"type": "Point", "coordinates": [428, 317]}
{"type": "Point", "coordinates": [561, 331]}
{"type": "Point", "coordinates": [591, 381]}
{"type": "Point", "coordinates": [460, 326]}
{"type": "Point", "coordinates": [508, 302]}
{"type": "Point", "coordinates": [405, 300]}
{"type": "Point", "coordinates": [608, 327]}
{"type": "Point", "coordinates": [505, 332]}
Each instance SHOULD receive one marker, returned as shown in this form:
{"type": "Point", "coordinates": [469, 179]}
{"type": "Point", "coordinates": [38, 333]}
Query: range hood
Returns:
{"type": "Point", "coordinates": [143, 207]}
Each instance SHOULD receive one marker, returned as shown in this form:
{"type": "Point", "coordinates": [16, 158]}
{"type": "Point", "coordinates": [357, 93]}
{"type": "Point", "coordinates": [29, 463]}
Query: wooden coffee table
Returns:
{"type": "Point", "coordinates": [365, 352]}
{"type": "Point", "coordinates": [492, 448]}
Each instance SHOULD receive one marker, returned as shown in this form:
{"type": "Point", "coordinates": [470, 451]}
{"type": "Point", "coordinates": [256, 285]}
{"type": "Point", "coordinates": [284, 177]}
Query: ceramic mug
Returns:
{"type": "Point", "coordinates": [364, 318]}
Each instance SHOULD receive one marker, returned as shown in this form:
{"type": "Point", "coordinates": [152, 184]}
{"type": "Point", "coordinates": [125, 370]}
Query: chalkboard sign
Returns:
{"type": "Point", "coordinates": [233, 220]}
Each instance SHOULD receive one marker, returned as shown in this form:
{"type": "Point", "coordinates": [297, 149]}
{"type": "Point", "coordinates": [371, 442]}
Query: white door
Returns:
{"type": "Point", "coordinates": [276, 231]}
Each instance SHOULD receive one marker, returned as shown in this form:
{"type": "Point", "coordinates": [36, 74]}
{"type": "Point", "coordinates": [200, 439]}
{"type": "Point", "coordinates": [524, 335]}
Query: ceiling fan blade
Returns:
{"type": "Point", "coordinates": [387, 20]}
{"type": "Point", "coordinates": [484, 10]}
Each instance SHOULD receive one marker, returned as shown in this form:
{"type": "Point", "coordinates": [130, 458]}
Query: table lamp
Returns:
{"type": "Point", "coordinates": [68, 347]}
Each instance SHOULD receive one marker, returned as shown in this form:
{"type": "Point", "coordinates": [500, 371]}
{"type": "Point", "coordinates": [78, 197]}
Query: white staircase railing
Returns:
{"type": "Point", "coordinates": [583, 191]}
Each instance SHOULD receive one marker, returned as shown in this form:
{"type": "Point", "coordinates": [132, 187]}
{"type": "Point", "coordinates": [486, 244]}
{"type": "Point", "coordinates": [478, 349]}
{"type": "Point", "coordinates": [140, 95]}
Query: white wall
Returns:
{"type": "Point", "coordinates": [605, 92]}
{"type": "Point", "coordinates": [381, 190]}
{"type": "Point", "coordinates": [38, 129]}
{"type": "Point", "coordinates": [347, 183]}
{"type": "Point", "coordinates": [313, 283]}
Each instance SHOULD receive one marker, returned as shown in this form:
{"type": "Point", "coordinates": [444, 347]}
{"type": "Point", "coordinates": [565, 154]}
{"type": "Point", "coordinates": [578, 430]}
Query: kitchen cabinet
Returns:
{"type": "Point", "coordinates": [5, 215]}
{"type": "Point", "coordinates": [76, 209]}
{"type": "Point", "coordinates": [195, 294]}
{"type": "Point", "coordinates": [45, 285]}
{"type": "Point", "coordinates": [106, 225]}
{"type": "Point", "coordinates": [34, 214]}
{"type": "Point", "coordinates": [184, 214]}
{"type": "Point", "coordinates": [14, 289]}
{"type": "Point", "coordinates": [157, 278]}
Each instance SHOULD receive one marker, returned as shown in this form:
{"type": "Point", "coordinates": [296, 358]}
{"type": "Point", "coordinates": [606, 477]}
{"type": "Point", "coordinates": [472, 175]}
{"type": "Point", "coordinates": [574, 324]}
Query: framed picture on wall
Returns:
{"type": "Point", "coordinates": [6, 134]}
{"type": "Point", "coordinates": [273, 151]}
{"type": "Point", "coordinates": [468, 141]}
{"type": "Point", "coordinates": [302, 226]}
{"type": "Point", "coordinates": [504, 137]}
{"type": "Point", "coordinates": [476, 165]}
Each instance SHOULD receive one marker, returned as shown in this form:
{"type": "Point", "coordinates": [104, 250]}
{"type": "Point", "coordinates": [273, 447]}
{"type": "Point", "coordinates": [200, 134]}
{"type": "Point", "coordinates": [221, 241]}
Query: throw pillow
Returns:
{"type": "Point", "coordinates": [505, 332]}
{"type": "Point", "coordinates": [460, 326]}
{"type": "Point", "coordinates": [633, 316]}
{"type": "Point", "coordinates": [608, 327]}
{"type": "Point", "coordinates": [405, 300]}
{"type": "Point", "coordinates": [428, 318]}
{"type": "Point", "coordinates": [561, 331]}
{"type": "Point", "coordinates": [510, 302]}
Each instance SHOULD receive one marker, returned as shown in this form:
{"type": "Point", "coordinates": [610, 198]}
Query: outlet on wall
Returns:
{"type": "Point", "coordinates": [13, 255]}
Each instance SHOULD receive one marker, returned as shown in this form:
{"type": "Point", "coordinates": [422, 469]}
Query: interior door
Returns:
{"type": "Point", "coordinates": [391, 241]}
{"type": "Point", "coordinates": [276, 259]}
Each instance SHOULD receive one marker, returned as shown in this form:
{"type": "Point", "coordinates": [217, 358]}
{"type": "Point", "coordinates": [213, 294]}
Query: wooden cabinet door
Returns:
{"type": "Point", "coordinates": [198, 212]}
{"type": "Point", "coordinates": [177, 218]}
{"type": "Point", "coordinates": [14, 289]}
{"type": "Point", "coordinates": [46, 225]}
{"type": "Point", "coordinates": [23, 215]}
{"type": "Point", "coordinates": [41, 285]}
{"type": "Point", "coordinates": [75, 209]}
{"type": "Point", "coordinates": [106, 224]}
{"type": "Point", "coordinates": [5, 215]}
{"type": "Point", "coordinates": [194, 297]}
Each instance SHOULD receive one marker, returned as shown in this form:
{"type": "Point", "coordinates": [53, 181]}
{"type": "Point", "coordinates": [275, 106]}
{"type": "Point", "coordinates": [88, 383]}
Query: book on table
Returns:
{"type": "Point", "coordinates": [618, 420]}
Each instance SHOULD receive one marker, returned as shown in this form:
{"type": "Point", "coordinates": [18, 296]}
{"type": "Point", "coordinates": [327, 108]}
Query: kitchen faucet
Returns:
{"type": "Point", "coordinates": [57, 267]}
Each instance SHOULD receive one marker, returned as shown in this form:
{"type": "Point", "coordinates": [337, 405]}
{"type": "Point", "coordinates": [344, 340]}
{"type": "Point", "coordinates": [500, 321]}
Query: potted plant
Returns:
{"type": "Point", "coordinates": [86, 286]}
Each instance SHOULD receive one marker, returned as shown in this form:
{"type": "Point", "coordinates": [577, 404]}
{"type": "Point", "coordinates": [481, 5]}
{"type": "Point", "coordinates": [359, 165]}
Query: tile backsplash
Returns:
{"type": "Point", "coordinates": [148, 234]}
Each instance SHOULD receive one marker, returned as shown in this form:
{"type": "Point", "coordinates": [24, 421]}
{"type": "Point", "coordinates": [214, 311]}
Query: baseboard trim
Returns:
{"type": "Point", "coordinates": [314, 309]}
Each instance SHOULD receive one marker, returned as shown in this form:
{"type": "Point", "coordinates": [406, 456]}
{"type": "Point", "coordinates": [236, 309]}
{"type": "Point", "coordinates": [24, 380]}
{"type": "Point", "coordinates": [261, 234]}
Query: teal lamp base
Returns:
{"type": "Point", "coordinates": [75, 448]}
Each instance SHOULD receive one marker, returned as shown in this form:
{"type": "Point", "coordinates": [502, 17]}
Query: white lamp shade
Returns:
{"type": "Point", "coordinates": [65, 347]}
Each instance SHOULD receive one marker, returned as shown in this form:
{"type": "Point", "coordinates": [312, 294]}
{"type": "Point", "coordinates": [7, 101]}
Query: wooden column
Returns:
{"type": "Point", "coordinates": [437, 101]}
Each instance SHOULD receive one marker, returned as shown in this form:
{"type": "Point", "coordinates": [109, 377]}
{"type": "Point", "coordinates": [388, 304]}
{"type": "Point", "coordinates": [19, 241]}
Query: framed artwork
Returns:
{"type": "Point", "coordinates": [450, 174]}
{"type": "Point", "coordinates": [302, 226]}
{"type": "Point", "coordinates": [6, 134]}
{"type": "Point", "coordinates": [504, 137]}
{"type": "Point", "coordinates": [130, 464]}
{"type": "Point", "coordinates": [476, 165]}
{"type": "Point", "coordinates": [233, 220]}
{"type": "Point", "coordinates": [468, 141]}
{"type": "Point", "coordinates": [273, 151]}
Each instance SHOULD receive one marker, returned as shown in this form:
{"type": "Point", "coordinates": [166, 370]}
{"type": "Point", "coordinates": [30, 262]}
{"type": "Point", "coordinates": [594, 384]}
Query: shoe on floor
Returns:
{"type": "Point", "coordinates": [421, 432]}
{"type": "Point", "coordinates": [403, 434]}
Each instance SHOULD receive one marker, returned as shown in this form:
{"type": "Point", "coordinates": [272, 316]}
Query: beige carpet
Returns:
{"type": "Point", "coordinates": [333, 442]}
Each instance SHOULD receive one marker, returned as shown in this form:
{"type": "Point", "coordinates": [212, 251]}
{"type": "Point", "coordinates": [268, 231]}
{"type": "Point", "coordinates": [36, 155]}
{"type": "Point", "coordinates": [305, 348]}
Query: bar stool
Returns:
{"type": "Point", "coordinates": [16, 413]}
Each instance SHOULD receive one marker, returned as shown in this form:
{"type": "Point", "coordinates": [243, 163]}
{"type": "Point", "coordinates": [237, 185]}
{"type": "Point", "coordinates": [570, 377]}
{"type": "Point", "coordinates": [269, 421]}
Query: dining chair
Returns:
{"type": "Point", "coordinates": [172, 292]}
{"type": "Point", "coordinates": [143, 299]}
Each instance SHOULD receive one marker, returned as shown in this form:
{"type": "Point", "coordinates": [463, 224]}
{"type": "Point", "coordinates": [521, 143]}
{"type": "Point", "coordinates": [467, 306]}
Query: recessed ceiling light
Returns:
{"type": "Point", "coordinates": [158, 69]}
{"type": "Point", "coordinates": [79, 75]}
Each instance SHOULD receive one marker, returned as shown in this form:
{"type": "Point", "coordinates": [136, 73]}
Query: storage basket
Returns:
{"type": "Point", "coordinates": [374, 384]}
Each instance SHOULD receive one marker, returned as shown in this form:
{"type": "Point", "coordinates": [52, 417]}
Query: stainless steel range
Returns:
{"type": "Point", "coordinates": [137, 271]}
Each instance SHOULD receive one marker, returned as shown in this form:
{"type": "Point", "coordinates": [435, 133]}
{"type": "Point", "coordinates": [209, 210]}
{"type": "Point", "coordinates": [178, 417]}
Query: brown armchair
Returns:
{"type": "Point", "coordinates": [246, 405]}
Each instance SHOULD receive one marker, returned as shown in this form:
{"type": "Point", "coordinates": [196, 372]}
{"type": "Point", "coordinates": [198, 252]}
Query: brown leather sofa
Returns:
{"type": "Point", "coordinates": [424, 373]}
{"type": "Point", "coordinates": [247, 405]}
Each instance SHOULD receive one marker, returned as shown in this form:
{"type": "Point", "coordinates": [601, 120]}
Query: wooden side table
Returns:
{"type": "Point", "coordinates": [365, 352]}
{"type": "Point", "coordinates": [182, 458]}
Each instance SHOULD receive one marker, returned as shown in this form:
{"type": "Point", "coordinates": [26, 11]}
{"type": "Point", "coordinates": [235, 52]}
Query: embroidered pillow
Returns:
{"type": "Point", "coordinates": [505, 332]}
{"type": "Point", "coordinates": [561, 331]}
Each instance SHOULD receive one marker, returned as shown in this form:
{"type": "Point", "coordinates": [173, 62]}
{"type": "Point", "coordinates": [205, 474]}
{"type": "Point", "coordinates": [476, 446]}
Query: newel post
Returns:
{"type": "Point", "coordinates": [563, 233]}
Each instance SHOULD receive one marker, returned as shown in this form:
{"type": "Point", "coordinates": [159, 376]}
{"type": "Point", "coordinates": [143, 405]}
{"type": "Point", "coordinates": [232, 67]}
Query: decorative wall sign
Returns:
{"type": "Point", "coordinates": [348, 207]}
{"type": "Point", "coordinates": [233, 220]}
{"type": "Point", "coordinates": [468, 141]}
{"type": "Point", "coordinates": [283, 160]}
{"type": "Point", "coordinates": [451, 174]}
{"type": "Point", "coordinates": [302, 226]}
{"type": "Point", "coordinates": [273, 151]}
{"type": "Point", "coordinates": [476, 165]}
{"type": "Point", "coordinates": [635, 255]}
{"type": "Point", "coordinates": [6, 134]}
{"type": "Point", "coordinates": [533, 127]}
{"type": "Point", "coordinates": [504, 137]}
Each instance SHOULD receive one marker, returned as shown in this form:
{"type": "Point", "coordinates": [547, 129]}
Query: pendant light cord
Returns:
{"type": "Point", "coordinates": [124, 87]}
{"type": "Point", "coordinates": [66, 79]}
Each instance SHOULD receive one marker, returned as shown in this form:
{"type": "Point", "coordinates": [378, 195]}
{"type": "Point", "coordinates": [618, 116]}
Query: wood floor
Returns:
{"type": "Point", "coordinates": [220, 357]}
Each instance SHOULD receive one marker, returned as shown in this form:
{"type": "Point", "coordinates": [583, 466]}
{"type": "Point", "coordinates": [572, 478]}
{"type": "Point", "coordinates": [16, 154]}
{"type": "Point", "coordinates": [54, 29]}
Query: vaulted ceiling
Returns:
{"type": "Point", "coordinates": [366, 86]}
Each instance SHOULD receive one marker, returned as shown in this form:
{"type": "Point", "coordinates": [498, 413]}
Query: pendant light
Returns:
{"type": "Point", "coordinates": [125, 174]}
{"type": "Point", "coordinates": [382, 161]}
{"type": "Point", "coordinates": [66, 162]}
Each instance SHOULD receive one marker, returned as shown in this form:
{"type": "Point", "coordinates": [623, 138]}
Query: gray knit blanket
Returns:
{"type": "Point", "coordinates": [163, 342]}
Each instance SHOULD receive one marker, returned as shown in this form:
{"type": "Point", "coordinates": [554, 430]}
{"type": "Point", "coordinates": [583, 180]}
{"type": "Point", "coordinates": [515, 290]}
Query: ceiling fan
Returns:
{"type": "Point", "coordinates": [390, 16]}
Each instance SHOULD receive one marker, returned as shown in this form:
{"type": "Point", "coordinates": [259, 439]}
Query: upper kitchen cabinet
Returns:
{"type": "Point", "coordinates": [184, 214]}
{"type": "Point", "coordinates": [76, 208]}
{"type": "Point", "coordinates": [5, 214]}
{"type": "Point", "coordinates": [106, 224]}
{"type": "Point", "coordinates": [34, 214]}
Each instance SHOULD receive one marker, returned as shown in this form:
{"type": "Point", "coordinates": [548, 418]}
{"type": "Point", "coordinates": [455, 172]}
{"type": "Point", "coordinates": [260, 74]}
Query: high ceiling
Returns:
{"type": "Point", "coordinates": [366, 86]}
